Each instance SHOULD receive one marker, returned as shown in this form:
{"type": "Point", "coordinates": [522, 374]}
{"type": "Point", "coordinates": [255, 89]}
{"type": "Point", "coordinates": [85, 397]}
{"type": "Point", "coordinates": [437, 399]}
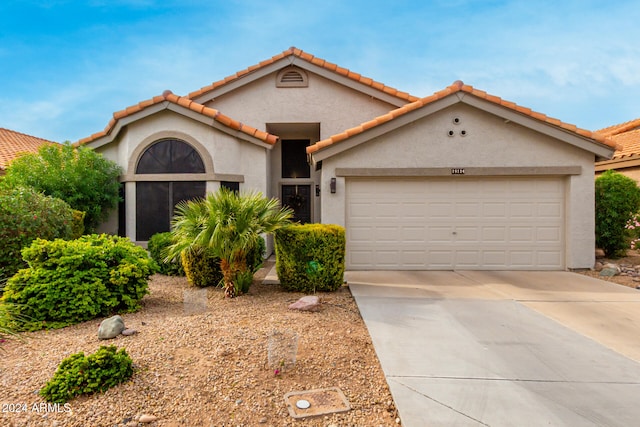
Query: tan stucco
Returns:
{"type": "Point", "coordinates": [489, 142]}
{"type": "Point", "coordinates": [224, 156]}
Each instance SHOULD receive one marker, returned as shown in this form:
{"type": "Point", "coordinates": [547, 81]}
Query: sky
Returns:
{"type": "Point", "coordinates": [66, 66]}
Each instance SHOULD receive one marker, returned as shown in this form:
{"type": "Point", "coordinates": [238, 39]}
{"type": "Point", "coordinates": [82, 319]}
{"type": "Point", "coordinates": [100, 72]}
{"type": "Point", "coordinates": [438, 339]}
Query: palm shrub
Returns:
{"type": "Point", "coordinates": [617, 199]}
{"type": "Point", "coordinates": [230, 226]}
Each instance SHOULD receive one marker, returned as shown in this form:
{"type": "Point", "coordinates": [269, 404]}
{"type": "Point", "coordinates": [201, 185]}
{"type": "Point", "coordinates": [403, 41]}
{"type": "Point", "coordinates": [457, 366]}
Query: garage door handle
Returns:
{"type": "Point", "coordinates": [454, 233]}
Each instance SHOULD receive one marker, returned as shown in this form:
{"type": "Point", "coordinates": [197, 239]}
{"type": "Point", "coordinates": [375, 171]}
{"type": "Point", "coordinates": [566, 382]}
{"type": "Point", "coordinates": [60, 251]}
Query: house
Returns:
{"type": "Point", "coordinates": [457, 180]}
{"type": "Point", "coordinates": [626, 159]}
{"type": "Point", "coordinates": [13, 144]}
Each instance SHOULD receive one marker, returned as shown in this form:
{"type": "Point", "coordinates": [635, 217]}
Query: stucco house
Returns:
{"type": "Point", "coordinates": [14, 144]}
{"type": "Point", "coordinates": [457, 180]}
{"type": "Point", "coordinates": [626, 159]}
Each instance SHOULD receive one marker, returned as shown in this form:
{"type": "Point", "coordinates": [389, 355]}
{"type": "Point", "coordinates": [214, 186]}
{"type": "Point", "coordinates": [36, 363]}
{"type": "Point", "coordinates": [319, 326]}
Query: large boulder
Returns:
{"type": "Point", "coordinates": [111, 327]}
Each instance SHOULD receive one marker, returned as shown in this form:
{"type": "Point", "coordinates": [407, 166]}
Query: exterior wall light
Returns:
{"type": "Point", "coordinates": [332, 185]}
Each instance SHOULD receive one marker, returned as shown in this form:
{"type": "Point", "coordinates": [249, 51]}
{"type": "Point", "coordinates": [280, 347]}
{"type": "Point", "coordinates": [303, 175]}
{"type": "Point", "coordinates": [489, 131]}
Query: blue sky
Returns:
{"type": "Point", "coordinates": [66, 66]}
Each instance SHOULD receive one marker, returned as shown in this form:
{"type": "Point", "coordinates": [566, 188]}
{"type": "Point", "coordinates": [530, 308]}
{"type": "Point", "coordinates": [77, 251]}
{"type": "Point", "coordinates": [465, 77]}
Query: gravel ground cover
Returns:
{"type": "Point", "coordinates": [206, 363]}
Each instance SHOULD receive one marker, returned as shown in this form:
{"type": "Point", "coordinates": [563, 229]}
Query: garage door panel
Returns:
{"type": "Point", "coordinates": [436, 223]}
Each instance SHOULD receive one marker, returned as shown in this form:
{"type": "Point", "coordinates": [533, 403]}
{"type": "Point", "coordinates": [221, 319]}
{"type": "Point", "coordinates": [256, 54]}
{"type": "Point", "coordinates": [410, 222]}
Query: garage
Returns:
{"type": "Point", "coordinates": [436, 223]}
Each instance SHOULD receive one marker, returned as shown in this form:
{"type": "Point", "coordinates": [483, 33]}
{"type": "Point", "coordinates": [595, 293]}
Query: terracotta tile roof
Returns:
{"type": "Point", "coordinates": [620, 128]}
{"type": "Point", "coordinates": [13, 143]}
{"type": "Point", "coordinates": [627, 136]}
{"type": "Point", "coordinates": [186, 103]}
{"type": "Point", "coordinates": [292, 51]}
{"type": "Point", "coordinates": [630, 143]}
{"type": "Point", "coordinates": [457, 86]}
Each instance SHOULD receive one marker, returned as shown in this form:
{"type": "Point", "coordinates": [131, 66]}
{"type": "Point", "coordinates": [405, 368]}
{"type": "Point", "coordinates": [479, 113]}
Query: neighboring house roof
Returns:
{"type": "Point", "coordinates": [620, 128]}
{"type": "Point", "coordinates": [462, 90]}
{"type": "Point", "coordinates": [627, 135]}
{"type": "Point", "coordinates": [294, 56]}
{"type": "Point", "coordinates": [179, 104]}
{"type": "Point", "coordinates": [13, 144]}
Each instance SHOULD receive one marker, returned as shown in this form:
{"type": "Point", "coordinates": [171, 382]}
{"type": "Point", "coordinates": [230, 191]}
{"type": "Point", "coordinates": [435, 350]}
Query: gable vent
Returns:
{"type": "Point", "coordinates": [292, 77]}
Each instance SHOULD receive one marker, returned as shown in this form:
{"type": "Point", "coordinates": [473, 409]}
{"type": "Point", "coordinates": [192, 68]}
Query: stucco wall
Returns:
{"type": "Point", "coordinates": [221, 153]}
{"type": "Point", "coordinates": [334, 106]}
{"type": "Point", "coordinates": [489, 142]}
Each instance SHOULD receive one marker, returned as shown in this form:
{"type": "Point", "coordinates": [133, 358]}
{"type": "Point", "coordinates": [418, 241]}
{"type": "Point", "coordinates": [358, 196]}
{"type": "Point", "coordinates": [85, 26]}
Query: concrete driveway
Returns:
{"type": "Point", "coordinates": [475, 348]}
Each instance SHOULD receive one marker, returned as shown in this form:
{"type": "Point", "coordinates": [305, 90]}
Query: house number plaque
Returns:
{"type": "Point", "coordinates": [457, 171]}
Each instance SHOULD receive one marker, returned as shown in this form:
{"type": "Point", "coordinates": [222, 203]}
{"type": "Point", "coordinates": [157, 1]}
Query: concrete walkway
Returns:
{"type": "Point", "coordinates": [504, 348]}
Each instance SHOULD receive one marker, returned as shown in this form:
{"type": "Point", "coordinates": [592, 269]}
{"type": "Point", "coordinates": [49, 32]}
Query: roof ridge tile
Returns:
{"type": "Point", "coordinates": [293, 51]}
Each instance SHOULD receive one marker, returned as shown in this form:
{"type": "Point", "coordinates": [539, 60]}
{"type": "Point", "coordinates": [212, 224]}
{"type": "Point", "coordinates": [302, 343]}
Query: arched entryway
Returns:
{"type": "Point", "coordinates": [156, 200]}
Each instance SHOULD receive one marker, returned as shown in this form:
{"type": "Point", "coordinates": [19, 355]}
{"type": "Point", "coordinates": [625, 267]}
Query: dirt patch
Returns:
{"type": "Point", "coordinates": [206, 368]}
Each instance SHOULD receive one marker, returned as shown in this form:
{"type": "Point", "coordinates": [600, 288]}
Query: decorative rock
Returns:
{"type": "Point", "coordinates": [608, 272]}
{"type": "Point", "coordinates": [599, 253]}
{"type": "Point", "coordinates": [598, 266]}
{"type": "Point", "coordinates": [128, 332]}
{"type": "Point", "coordinates": [308, 303]}
{"type": "Point", "coordinates": [111, 327]}
{"type": "Point", "coordinates": [145, 418]}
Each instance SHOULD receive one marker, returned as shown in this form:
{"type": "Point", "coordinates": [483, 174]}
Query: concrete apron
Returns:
{"type": "Point", "coordinates": [477, 348]}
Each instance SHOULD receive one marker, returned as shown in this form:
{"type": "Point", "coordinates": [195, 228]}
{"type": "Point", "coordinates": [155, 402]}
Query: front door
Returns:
{"type": "Point", "coordinates": [296, 184]}
{"type": "Point", "coordinates": [298, 198]}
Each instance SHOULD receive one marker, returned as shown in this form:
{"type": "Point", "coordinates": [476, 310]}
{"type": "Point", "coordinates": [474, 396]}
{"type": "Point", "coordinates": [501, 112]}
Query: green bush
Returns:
{"type": "Point", "coordinates": [81, 177]}
{"type": "Point", "coordinates": [202, 268]}
{"type": "Point", "coordinates": [79, 374]}
{"type": "Point", "coordinates": [158, 243]}
{"type": "Point", "coordinates": [25, 215]}
{"type": "Point", "coordinates": [617, 200]}
{"type": "Point", "coordinates": [310, 257]}
{"type": "Point", "coordinates": [77, 226]}
{"type": "Point", "coordinates": [72, 281]}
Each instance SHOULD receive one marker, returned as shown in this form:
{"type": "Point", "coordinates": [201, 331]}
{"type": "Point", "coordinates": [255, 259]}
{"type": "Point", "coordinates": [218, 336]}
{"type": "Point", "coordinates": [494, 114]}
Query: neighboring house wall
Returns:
{"type": "Point", "coordinates": [489, 143]}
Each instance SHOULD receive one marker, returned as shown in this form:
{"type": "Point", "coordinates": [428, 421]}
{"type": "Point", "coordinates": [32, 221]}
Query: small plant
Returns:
{"type": "Point", "coordinates": [79, 374]}
{"type": "Point", "coordinates": [633, 228]}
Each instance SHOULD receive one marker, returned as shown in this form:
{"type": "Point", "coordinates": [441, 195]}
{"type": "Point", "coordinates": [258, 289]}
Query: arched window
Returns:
{"type": "Point", "coordinates": [156, 200]}
{"type": "Point", "coordinates": [170, 156]}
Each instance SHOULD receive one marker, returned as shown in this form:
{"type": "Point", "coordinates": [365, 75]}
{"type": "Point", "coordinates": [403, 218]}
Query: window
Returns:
{"type": "Point", "coordinates": [229, 185]}
{"type": "Point", "coordinates": [170, 156]}
{"type": "Point", "coordinates": [294, 158]}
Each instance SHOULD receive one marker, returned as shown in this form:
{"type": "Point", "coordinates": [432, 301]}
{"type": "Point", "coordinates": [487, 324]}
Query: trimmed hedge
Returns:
{"type": "Point", "coordinates": [157, 245]}
{"type": "Point", "coordinates": [79, 374]}
{"type": "Point", "coordinates": [25, 215]}
{"type": "Point", "coordinates": [72, 281]}
{"type": "Point", "coordinates": [203, 269]}
{"type": "Point", "coordinates": [310, 257]}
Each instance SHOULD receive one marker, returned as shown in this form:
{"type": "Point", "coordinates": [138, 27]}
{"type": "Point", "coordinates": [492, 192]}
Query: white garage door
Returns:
{"type": "Point", "coordinates": [470, 223]}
